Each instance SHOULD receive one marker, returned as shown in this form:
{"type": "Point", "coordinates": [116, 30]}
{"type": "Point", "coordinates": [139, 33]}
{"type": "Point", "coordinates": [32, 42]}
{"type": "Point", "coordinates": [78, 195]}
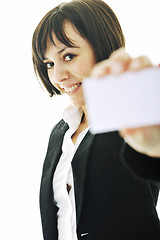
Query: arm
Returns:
{"type": "Point", "coordinates": [141, 165]}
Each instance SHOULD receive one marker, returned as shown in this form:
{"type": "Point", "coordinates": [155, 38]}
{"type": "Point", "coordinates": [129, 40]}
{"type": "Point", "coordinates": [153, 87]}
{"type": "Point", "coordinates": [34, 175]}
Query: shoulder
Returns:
{"type": "Point", "coordinates": [60, 126]}
{"type": "Point", "coordinates": [54, 146]}
{"type": "Point", "coordinates": [57, 132]}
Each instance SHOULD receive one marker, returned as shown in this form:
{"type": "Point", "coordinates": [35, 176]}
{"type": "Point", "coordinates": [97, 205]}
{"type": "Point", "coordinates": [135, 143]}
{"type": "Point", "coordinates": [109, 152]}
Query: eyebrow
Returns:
{"type": "Point", "coordinates": [62, 50]}
{"type": "Point", "coordinates": [59, 52]}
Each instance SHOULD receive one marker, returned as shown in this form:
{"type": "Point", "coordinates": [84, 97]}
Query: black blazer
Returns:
{"type": "Point", "coordinates": [111, 203]}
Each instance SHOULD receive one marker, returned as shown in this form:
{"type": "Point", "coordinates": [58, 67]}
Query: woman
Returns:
{"type": "Point", "coordinates": [86, 191]}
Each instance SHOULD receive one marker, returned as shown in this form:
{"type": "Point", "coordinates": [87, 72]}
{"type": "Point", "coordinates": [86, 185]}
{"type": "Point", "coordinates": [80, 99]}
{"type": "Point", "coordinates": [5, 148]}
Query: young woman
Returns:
{"type": "Point", "coordinates": [86, 191]}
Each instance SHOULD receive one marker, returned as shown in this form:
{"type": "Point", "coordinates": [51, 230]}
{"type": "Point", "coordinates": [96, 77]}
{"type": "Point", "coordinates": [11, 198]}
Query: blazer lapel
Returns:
{"type": "Point", "coordinates": [48, 209]}
{"type": "Point", "coordinates": [54, 149]}
{"type": "Point", "coordinates": [79, 165]}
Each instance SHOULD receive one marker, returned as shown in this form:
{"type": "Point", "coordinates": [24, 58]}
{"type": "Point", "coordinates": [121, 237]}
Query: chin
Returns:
{"type": "Point", "coordinates": [78, 104]}
{"type": "Point", "coordinates": [77, 101]}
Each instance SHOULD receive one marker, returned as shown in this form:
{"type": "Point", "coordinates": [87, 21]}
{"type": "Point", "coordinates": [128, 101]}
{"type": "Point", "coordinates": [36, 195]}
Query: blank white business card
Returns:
{"type": "Point", "coordinates": [131, 99]}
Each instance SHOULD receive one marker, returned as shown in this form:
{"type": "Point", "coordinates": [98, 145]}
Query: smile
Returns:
{"type": "Point", "coordinates": [72, 89]}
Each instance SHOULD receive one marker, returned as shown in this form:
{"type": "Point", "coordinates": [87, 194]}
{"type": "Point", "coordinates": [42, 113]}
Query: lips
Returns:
{"type": "Point", "coordinates": [71, 88]}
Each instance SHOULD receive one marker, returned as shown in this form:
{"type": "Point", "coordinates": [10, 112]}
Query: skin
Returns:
{"type": "Point", "coordinates": [143, 139]}
{"type": "Point", "coordinates": [67, 67]}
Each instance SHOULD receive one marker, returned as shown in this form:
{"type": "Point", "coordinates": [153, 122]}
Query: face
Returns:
{"type": "Point", "coordinates": [67, 67]}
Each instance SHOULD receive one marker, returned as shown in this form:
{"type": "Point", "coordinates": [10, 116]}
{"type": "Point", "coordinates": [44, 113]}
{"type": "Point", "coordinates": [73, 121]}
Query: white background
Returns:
{"type": "Point", "coordinates": [27, 114]}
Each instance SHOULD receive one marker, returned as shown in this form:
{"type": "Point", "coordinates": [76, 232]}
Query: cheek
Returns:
{"type": "Point", "coordinates": [84, 68]}
{"type": "Point", "coordinates": [50, 75]}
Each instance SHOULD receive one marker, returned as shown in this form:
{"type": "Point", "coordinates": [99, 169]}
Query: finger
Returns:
{"type": "Point", "coordinates": [101, 69]}
{"type": "Point", "coordinates": [119, 54]}
{"type": "Point", "coordinates": [140, 63]}
{"type": "Point", "coordinates": [117, 63]}
{"type": "Point", "coordinates": [120, 61]}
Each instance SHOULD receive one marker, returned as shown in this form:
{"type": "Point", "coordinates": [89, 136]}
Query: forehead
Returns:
{"type": "Point", "coordinates": [71, 33]}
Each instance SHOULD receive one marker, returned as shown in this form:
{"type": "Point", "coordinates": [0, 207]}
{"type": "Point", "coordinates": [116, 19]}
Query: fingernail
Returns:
{"type": "Point", "coordinates": [98, 72]}
{"type": "Point", "coordinates": [135, 64]}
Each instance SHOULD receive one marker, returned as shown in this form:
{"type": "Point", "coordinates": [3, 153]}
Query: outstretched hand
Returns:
{"type": "Point", "coordinates": [143, 139]}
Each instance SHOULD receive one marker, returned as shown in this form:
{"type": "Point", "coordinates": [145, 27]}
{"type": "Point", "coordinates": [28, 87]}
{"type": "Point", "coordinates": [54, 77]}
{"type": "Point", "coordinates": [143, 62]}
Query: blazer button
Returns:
{"type": "Point", "coordinates": [84, 234]}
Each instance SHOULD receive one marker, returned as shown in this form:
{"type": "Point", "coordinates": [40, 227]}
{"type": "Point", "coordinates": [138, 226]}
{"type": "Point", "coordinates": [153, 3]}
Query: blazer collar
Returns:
{"type": "Point", "coordinates": [79, 165]}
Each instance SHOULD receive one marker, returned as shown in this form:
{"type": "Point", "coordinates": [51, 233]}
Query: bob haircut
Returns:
{"type": "Point", "coordinates": [95, 22]}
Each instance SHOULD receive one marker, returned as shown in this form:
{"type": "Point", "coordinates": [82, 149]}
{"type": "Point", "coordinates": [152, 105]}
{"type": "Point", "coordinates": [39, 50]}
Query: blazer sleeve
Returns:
{"type": "Point", "coordinates": [141, 165]}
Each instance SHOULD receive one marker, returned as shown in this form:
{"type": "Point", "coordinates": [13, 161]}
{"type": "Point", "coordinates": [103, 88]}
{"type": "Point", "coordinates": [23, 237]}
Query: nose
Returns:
{"type": "Point", "coordinates": [60, 74]}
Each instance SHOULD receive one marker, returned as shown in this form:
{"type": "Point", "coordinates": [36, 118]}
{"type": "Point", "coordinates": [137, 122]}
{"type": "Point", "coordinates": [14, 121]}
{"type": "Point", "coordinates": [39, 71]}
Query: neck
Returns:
{"type": "Point", "coordinates": [85, 121]}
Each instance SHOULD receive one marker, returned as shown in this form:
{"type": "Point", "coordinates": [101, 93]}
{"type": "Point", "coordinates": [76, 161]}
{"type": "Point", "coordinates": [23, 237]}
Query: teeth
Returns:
{"type": "Point", "coordinates": [70, 89]}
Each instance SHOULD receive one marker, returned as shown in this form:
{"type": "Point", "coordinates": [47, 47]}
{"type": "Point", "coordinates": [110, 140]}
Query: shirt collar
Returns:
{"type": "Point", "coordinates": [72, 116]}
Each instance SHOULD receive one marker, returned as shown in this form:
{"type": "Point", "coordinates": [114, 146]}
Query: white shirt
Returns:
{"type": "Point", "coordinates": [63, 175]}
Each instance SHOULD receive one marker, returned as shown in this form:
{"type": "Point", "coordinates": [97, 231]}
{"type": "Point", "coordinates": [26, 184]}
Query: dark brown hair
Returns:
{"type": "Point", "coordinates": [94, 20]}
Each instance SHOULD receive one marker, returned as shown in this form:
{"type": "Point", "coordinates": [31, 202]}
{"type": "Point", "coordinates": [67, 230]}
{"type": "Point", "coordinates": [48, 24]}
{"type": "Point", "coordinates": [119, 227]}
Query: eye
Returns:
{"type": "Point", "coordinates": [49, 65]}
{"type": "Point", "coordinates": [68, 57]}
